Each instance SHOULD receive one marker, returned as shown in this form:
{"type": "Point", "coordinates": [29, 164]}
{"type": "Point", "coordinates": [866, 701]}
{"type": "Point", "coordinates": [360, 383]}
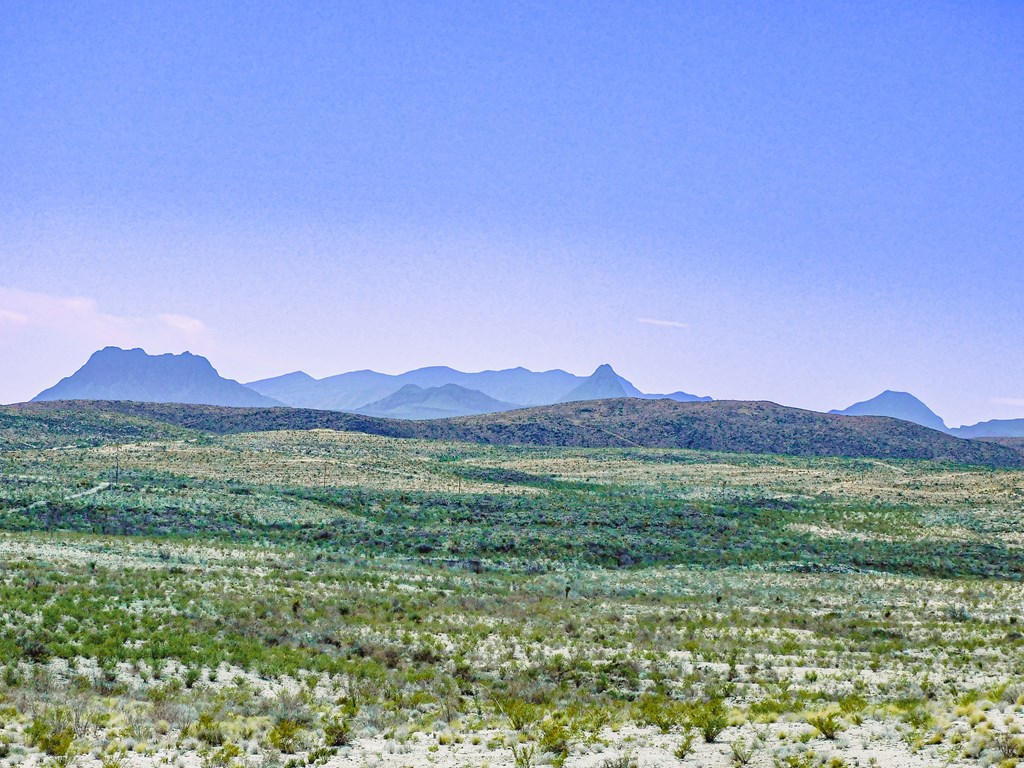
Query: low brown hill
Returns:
{"type": "Point", "coordinates": [1017, 443]}
{"type": "Point", "coordinates": [722, 425]}
{"type": "Point", "coordinates": [731, 426]}
{"type": "Point", "coordinates": [223, 420]}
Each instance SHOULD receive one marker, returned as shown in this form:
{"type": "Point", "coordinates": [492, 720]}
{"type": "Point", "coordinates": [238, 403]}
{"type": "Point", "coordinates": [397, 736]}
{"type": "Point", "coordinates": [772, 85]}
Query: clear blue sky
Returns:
{"type": "Point", "coordinates": [816, 201]}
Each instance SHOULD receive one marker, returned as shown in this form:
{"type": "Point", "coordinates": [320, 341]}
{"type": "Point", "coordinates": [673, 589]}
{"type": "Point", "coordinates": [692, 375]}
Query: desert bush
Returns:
{"type": "Point", "coordinates": [685, 745]}
{"type": "Point", "coordinates": [115, 759]}
{"type": "Point", "coordinates": [916, 714]}
{"type": "Point", "coordinates": [853, 707]}
{"type": "Point", "coordinates": [710, 718]}
{"type": "Point", "coordinates": [799, 760]}
{"type": "Point", "coordinates": [827, 724]}
{"type": "Point", "coordinates": [1010, 745]}
{"type": "Point", "coordinates": [659, 711]}
{"type": "Point", "coordinates": [285, 735]}
{"type": "Point", "coordinates": [742, 753]}
{"type": "Point", "coordinates": [192, 675]}
{"type": "Point", "coordinates": [625, 760]}
{"type": "Point", "coordinates": [52, 732]}
{"type": "Point", "coordinates": [338, 731]}
{"type": "Point", "coordinates": [207, 729]}
{"type": "Point", "coordinates": [521, 714]}
{"type": "Point", "coordinates": [556, 737]}
{"type": "Point", "coordinates": [523, 755]}
{"type": "Point", "coordinates": [1012, 693]}
{"type": "Point", "coordinates": [228, 756]}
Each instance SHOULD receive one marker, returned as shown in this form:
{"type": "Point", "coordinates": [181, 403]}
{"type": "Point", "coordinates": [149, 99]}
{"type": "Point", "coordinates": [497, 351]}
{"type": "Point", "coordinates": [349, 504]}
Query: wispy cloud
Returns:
{"type": "Point", "coordinates": [1016, 402]}
{"type": "Point", "coordinates": [187, 325]}
{"type": "Point", "coordinates": [44, 337]}
{"type": "Point", "coordinates": [9, 318]}
{"type": "Point", "coordinates": [78, 318]}
{"type": "Point", "coordinates": [662, 323]}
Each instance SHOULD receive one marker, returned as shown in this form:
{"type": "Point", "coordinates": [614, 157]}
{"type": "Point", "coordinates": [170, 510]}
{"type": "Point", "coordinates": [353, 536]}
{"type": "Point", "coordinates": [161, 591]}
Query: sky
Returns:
{"type": "Point", "coordinates": [801, 202]}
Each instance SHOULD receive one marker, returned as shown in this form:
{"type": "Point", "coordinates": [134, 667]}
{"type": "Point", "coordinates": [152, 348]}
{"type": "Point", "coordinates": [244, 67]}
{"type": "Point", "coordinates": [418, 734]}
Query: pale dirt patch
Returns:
{"type": "Point", "coordinates": [873, 743]}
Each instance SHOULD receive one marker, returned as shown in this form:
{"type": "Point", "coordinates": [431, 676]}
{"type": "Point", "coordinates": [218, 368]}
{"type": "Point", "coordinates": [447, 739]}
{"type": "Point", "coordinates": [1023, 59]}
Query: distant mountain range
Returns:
{"type": "Point", "coordinates": [994, 428]}
{"type": "Point", "coordinates": [903, 405]}
{"type": "Point", "coordinates": [456, 393]}
{"type": "Point", "coordinates": [424, 393]}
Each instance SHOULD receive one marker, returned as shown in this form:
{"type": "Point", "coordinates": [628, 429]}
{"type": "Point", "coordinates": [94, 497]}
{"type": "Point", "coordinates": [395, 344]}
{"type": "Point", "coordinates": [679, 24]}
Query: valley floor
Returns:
{"type": "Point", "coordinates": [324, 598]}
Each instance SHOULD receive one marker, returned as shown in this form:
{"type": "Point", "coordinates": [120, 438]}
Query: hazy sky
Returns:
{"type": "Point", "coordinates": [802, 202]}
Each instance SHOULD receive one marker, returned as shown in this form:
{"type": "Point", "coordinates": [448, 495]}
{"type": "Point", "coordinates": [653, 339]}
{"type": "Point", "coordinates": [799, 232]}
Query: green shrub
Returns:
{"type": "Point", "coordinates": [853, 705]}
{"type": "Point", "coordinates": [710, 718]}
{"type": "Point", "coordinates": [51, 732]}
{"type": "Point", "coordinates": [521, 714]}
{"type": "Point", "coordinates": [192, 675]}
{"type": "Point", "coordinates": [659, 711]}
{"type": "Point", "coordinates": [800, 760]}
{"type": "Point", "coordinates": [113, 760]}
{"type": "Point", "coordinates": [826, 723]}
{"type": "Point", "coordinates": [1011, 746]}
{"type": "Point", "coordinates": [523, 755]}
{"type": "Point", "coordinates": [338, 731]}
{"type": "Point", "coordinates": [685, 745]}
{"type": "Point", "coordinates": [917, 715]}
{"type": "Point", "coordinates": [321, 755]}
{"type": "Point", "coordinates": [285, 735]}
{"type": "Point", "coordinates": [207, 730]}
{"type": "Point", "coordinates": [742, 753]}
{"type": "Point", "coordinates": [225, 757]}
{"type": "Point", "coordinates": [556, 737]}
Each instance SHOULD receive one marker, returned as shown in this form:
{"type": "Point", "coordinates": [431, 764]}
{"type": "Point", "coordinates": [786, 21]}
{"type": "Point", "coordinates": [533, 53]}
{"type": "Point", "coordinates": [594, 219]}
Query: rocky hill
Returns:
{"type": "Point", "coordinates": [729, 426]}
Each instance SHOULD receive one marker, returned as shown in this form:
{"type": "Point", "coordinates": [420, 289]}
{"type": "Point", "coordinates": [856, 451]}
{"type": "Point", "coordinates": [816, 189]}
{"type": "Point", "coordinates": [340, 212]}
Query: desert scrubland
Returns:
{"type": "Point", "coordinates": [170, 598]}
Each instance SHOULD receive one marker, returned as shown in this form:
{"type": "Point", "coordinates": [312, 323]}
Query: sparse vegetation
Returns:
{"type": "Point", "coordinates": [826, 723]}
{"type": "Point", "coordinates": [219, 603]}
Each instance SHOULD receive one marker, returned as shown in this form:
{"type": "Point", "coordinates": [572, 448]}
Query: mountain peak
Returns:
{"type": "Point", "coordinates": [113, 373]}
{"type": "Point", "coordinates": [295, 377]}
{"type": "Point", "coordinates": [415, 402]}
{"type": "Point", "coordinates": [603, 383]}
{"type": "Point", "coordinates": [897, 405]}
